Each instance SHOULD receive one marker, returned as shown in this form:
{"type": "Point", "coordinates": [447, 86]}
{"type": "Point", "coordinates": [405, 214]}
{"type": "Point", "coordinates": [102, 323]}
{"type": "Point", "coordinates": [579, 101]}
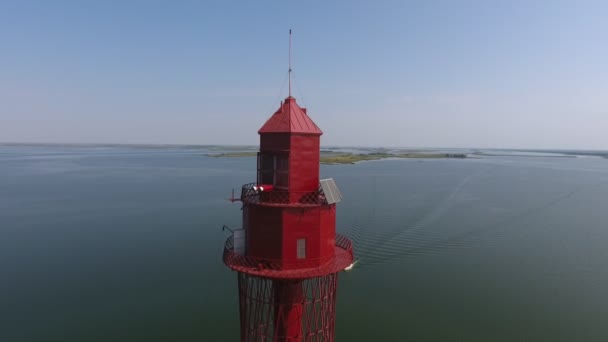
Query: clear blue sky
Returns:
{"type": "Point", "coordinates": [511, 74]}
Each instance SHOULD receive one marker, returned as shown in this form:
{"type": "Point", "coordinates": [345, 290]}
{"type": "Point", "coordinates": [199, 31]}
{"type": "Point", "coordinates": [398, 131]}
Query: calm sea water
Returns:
{"type": "Point", "coordinates": [125, 244]}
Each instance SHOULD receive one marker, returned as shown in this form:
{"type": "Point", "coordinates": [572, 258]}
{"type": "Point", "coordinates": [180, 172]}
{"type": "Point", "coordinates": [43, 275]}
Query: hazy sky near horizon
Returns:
{"type": "Point", "coordinates": [505, 74]}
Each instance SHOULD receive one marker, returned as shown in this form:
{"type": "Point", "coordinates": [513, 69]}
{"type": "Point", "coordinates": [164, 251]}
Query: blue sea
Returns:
{"type": "Point", "coordinates": [124, 243]}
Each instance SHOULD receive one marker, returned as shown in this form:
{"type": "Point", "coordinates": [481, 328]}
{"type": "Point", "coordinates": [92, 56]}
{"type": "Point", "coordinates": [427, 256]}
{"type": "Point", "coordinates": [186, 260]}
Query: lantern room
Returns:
{"type": "Point", "coordinates": [289, 150]}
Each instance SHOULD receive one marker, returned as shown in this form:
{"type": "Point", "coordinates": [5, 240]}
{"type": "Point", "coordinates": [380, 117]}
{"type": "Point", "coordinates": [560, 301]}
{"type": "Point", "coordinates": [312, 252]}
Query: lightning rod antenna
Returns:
{"type": "Point", "coordinates": [289, 62]}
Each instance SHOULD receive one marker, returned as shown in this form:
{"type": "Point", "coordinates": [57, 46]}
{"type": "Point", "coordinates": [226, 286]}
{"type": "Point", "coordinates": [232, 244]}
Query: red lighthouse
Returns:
{"type": "Point", "coordinates": [287, 253]}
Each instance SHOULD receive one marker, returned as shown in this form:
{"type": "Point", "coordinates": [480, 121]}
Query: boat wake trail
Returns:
{"type": "Point", "coordinates": [417, 226]}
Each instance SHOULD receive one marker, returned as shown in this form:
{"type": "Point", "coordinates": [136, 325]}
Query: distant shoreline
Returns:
{"type": "Point", "coordinates": [484, 154]}
{"type": "Point", "coordinates": [396, 152]}
{"type": "Point", "coordinates": [352, 158]}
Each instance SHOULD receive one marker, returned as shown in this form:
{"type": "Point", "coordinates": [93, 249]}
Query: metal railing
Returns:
{"type": "Point", "coordinates": [279, 197]}
{"type": "Point", "coordinates": [235, 260]}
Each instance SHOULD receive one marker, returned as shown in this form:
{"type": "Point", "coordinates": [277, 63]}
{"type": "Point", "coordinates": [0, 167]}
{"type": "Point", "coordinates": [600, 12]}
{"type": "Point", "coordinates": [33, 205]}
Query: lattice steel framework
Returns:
{"type": "Point", "coordinates": [269, 308]}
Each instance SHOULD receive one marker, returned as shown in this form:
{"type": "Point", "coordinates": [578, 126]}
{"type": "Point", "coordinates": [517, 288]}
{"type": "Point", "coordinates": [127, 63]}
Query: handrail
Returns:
{"type": "Point", "coordinates": [232, 258]}
{"type": "Point", "coordinates": [280, 197]}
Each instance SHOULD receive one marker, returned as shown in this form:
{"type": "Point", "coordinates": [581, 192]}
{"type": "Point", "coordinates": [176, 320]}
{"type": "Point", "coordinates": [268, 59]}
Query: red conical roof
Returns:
{"type": "Point", "coordinates": [290, 118]}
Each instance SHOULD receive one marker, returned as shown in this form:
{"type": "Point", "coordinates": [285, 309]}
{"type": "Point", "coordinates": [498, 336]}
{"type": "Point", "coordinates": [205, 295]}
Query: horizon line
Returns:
{"type": "Point", "coordinates": [73, 144]}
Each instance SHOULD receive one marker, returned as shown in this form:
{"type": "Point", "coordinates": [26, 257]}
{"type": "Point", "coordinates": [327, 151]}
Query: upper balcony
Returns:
{"type": "Point", "coordinates": [278, 197]}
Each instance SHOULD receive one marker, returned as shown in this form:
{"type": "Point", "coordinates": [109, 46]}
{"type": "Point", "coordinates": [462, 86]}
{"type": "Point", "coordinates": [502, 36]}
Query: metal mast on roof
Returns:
{"type": "Point", "coordinates": [289, 62]}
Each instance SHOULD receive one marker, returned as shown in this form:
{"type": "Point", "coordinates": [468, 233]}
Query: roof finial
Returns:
{"type": "Point", "coordinates": [289, 62]}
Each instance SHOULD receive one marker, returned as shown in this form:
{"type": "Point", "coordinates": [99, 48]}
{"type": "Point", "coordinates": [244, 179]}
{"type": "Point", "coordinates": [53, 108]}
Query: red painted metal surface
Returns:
{"type": "Point", "coordinates": [289, 263]}
{"type": "Point", "coordinates": [276, 142]}
{"type": "Point", "coordinates": [304, 157]}
{"type": "Point", "coordinates": [280, 269]}
{"type": "Point", "coordinates": [290, 118]}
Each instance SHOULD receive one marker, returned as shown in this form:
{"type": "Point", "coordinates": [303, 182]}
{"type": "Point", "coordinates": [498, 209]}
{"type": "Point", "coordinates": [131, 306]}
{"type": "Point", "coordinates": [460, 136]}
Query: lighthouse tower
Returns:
{"type": "Point", "coordinates": [287, 253]}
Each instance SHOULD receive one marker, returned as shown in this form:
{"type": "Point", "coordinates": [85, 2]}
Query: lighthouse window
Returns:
{"type": "Point", "coordinates": [301, 248]}
{"type": "Point", "coordinates": [282, 171]}
{"type": "Point", "coordinates": [267, 165]}
{"type": "Point", "coordinates": [273, 169]}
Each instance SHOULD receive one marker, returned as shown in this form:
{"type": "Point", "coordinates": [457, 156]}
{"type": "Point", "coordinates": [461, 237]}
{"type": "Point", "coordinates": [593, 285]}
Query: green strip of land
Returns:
{"type": "Point", "coordinates": [233, 154]}
{"type": "Point", "coordinates": [351, 158]}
